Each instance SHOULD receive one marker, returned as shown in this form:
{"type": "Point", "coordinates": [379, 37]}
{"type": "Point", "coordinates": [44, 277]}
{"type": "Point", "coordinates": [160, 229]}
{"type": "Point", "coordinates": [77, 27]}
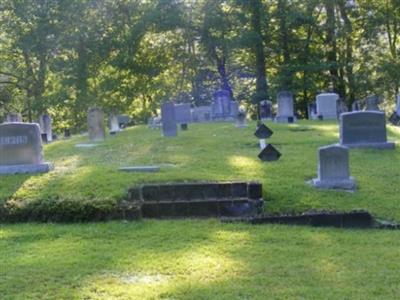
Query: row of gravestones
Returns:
{"type": "Point", "coordinates": [21, 144]}
{"type": "Point", "coordinates": [360, 129]}
{"type": "Point", "coordinates": [173, 115]}
{"type": "Point", "coordinates": [326, 107]}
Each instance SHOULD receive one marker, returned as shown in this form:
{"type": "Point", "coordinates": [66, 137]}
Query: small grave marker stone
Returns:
{"type": "Point", "coordinates": [333, 169]}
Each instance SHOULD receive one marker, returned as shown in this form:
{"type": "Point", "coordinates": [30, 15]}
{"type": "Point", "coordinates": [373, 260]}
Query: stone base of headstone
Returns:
{"type": "Point", "coordinates": [282, 119]}
{"type": "Point", "coordinates": [349, 184]}
{"type": "Point", "coordinates": [25, 169]}
{"type": "Point", "coordinates": [387, 145]}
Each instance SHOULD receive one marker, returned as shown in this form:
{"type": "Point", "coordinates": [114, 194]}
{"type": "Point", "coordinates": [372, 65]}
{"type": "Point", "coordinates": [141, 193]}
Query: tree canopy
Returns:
{"type": "Point", "coordinates": [127, 56]}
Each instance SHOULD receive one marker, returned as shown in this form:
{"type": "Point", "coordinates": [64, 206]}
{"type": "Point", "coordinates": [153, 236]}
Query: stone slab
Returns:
{"type": "Point", "coordinates": [168, 117]}
{"type": "Point", "coordinates": [349, 184]}
{"type": "Point", "coordinates": [327, 106]}
{"type": "Point", "coordinates": [366, 129]}
{"type": "Point", "coordinates": [140, 169]}
{"type": "Point", "coordinates": [25, 169]}
{"type": "Point", "coordinates": [86, 145]}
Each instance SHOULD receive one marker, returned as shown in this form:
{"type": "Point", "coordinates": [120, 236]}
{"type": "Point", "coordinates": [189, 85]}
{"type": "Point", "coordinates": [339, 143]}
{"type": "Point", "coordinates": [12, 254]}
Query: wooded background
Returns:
{"type": "Point", "coordinates": [127, 56]}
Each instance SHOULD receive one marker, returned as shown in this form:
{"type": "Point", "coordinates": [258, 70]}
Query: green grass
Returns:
{"type": "Point", "coordinates": [196, 260]}
{"type": "Point", "coordinates": [201, 259]}
{"type": "Point", "coordinates": [87, 179]}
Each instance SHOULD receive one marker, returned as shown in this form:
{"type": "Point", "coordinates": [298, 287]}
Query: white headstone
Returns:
{"type": "Point", "coordinates": [285, 107]}
{"type": "Point", "coordinates": [45, 123]}
{"type": "Point", "coordinates": [114, 124]}
{"type": "Point", "coordinates": [333, 168]}
{"type": "Point", "coordinates": [327, 106]}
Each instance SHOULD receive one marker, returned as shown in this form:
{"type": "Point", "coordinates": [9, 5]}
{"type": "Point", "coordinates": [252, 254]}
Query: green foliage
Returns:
{"type": "Point", "coordinates": [128, 56]}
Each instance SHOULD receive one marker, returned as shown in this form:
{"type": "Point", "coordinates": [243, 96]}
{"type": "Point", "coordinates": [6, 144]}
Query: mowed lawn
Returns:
{"type": "Point", "coordinates": [202, 259]}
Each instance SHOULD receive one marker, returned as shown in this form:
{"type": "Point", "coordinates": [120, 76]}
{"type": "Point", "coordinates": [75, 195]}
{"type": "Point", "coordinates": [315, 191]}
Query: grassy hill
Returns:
{"type": "Point", "coordinates": [87, 180]}
{"type": "Point", "coordinates": [199, 259]}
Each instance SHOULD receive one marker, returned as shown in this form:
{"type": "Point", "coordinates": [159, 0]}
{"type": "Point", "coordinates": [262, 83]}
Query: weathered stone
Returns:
{"type": "Point", "coordinates": [183, 113]}
{"type": "Point", "coordinates": [312, 111]}
{"type": "Point", "coordinates": [372, 103]}
{"type": "Point", "coordinates": [285, 107]}
{"type": "Point", "coordinates": [114, 124]}
{"type": "Point", "coordinates": [241, 119]}
{"type": "Point", "coordinates": [86, 145]}
{"type": "Point", "coordinates": [14, 118]}
{"type": "Point", "coordinates": [266, 110]}
{"type": "Point", "coordinates": [168, 119]}
{"type": "Point", "coordinates": [45, 123]}
{"type": "Point", "coordinates": [21, 149]}
{"type": "Point", "coordinates": [269, 153]}
{"type": "Point", "coordinates": [327, 106]}
{"type": "Point", "coordinates": [234, 109]}
{"type": "Point", "coordinates": [140, 169]}
{"type": "Point", "coordinates": [154, 122]}
{"type": "Point", "coordinates": [221, 106]}
{"type": "Point", "coordinates": [123, 121]}
{"type": "Point", "coordinates": [95, 120]}
{"type": "Point", "coordinates": [201, 114]}
{"type": "Point", "coordinates": [365, 129]}
{"type": "Point", "coordinates": [333, 168]}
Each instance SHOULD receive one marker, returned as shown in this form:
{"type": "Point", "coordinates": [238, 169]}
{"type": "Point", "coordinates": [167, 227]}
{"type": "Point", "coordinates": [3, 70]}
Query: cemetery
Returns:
{"type": "Point", "coordinates": [199, 150]}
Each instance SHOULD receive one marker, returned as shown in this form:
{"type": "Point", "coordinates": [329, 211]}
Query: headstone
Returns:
{"type": "Point", "coordinates": [202, 114]}
{"type": "Point", "coordinates": [182, 113]}
{"type": "Point", "coordinates": [394, 119]}
{"type": "Point", "coordinates": [67, 133]}
{"type": "Point", "coordinates": [96, 124]}
{"type": "Point", "coordinates": [154, 122]}
{"type": "Point", "coordinates": [398, 105]}
{"type": "Point", "coordinates": [45, 123]}
{"type": "Point", "coordinates": [241, 119]}
{"type": "Point", "coordinates": [266, 110]}
{"type": "Point", "coordinates": [184, 126]}
{"type": "Point", "coordinates": [123, 121]}
{"type": "Point", "coordinates": [356, 106]}
{"type": "Point", "coordinates": [168, 119]}
{"type": "Point", "coordinates": [372, 103]}
{"type": "Point", "coordinates": [285, 107]}
{"type": "Point", "coordinates": [114, 124]}
{"type": "Point", "coordinates": [14, 118]}
{"type": "Point", "coordinates": [312, 111]}
{"type": "Point", "coordinates": [333, 168]}
{"type": "Point", "coordinates": [269, 153]}
{"type": "Point", "coordinates": [364, 129]}
{"type": "Point", "coordinates": [234, 109]}
{"type": "Point", "coordinates": [21, 149]}
{"type": "Point", "coordinates": [221, 106]}
{"type": "Point", "coordinates": [327, 106]}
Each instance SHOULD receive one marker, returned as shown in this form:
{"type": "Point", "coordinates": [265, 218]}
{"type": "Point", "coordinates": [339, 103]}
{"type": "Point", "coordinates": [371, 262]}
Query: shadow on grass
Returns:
{"type": "Point", "coordinates": [196, 260]}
